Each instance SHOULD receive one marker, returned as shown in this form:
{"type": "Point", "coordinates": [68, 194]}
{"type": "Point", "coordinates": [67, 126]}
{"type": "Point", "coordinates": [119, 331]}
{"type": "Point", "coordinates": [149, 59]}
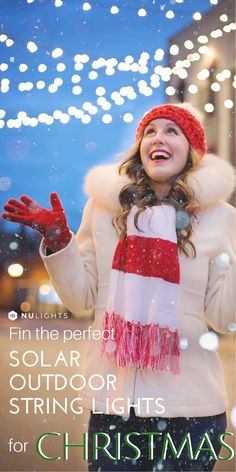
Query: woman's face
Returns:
{"type": "Point", "coordinates": [163, 150]}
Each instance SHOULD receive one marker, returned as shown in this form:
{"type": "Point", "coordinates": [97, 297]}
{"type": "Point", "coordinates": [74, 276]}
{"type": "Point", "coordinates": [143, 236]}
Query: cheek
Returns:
{"type": "Point", "coordinates": [143, 153]}
{"type": "Point", "coordinates": [185, 148]}
{"type": "Point", "coordinates": [183, 158]}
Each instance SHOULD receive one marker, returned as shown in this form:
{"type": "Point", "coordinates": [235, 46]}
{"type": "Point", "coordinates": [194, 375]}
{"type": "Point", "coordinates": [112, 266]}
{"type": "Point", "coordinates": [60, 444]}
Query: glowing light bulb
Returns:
{"type": "Point", "coordinates": [128, 117]}
{"type": "Point", "coordinates": [170, 14]}
{"type": "Point", "coordinates": [209, 108]}
{"type": "Point", "coordinates": [114, 10]}
{"type": "Point", "coordinates": [32, 47]}
{"type": "Point", "coordinates": [57, 52]}
{"type": "Point", "coordinates": [197, 16]}
{"type": "Point", "coordinates": [15, 270]}
{"type": "Point", "coordinates": [174, 50]}
{"type": "Point", "coordinates": [142, 12]}
{"type": "Point", "coordinates": [86, 6]}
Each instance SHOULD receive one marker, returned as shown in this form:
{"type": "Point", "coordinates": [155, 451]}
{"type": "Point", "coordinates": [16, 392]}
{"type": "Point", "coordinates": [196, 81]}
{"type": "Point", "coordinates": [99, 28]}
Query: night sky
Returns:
{"type": "Point", "coordinates": [55, 156]}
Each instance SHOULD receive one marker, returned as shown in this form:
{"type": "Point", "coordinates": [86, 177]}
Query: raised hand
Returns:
{"type": "Point", "coordinates": [52, 224]}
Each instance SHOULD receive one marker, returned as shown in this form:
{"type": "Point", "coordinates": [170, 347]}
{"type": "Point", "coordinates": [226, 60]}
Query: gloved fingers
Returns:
{"type": "Point", "coordinates": [14, 209]}
{"type": "Point", "coordinates": [17, 204]}
{"type": "Point", "coordinates": [16, 218]}
{"type": "Point", "coordinates": [27, 200]}
{"type": "Point", "coordinates": [55, 202]}
{"type": "Point", "coordinates": [31, 205]}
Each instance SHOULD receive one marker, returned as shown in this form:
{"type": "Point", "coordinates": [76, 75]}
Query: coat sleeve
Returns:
{"type": "Point", "coordinates": [220, 300]}
{"type": "Point", "coordinates": [73, 270]}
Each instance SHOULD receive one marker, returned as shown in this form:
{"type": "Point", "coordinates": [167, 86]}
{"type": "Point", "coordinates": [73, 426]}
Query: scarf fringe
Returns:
{"type": "Point", "coordinates": [142, 346]}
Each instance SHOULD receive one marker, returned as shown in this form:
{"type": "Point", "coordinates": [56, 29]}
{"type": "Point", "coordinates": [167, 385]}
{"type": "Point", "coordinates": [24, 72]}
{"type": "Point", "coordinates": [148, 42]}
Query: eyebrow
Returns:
{"type": "Point", "coordinates": [170, 123]}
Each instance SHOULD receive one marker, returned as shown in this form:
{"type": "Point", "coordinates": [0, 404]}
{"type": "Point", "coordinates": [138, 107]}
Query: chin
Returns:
{"type": "Point", "coordinates": [162, 179]}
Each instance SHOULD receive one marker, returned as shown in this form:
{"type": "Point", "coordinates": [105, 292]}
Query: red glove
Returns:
{"type": "Point", "coordinates": [51, 224]}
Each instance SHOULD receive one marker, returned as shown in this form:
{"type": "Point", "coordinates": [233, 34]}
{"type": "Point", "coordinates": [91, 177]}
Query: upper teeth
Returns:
{"type": "Point", "coordinates": [164, 154]}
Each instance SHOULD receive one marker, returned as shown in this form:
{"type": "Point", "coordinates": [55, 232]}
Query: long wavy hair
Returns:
{"type": "Point", "coordinates": [140, 193]}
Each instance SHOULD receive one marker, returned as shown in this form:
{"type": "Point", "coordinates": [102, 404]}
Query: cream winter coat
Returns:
{"type": "Point", "coordinates": [80, 273]}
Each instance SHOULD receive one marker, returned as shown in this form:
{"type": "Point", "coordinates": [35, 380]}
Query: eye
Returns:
{"type": "Point", "coordinates": [171, 130]}
{"type": "Point", "coordinates": [149, 130]}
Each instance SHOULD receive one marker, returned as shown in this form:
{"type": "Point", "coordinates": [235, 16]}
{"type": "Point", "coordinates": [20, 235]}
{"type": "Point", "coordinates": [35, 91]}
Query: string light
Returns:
{"type": "Point", "coordinates": [203, 74]}
{"type": "Point", "coordinates": [65, 118]}
{"type": "Point", "coordinates": [78, 66]}
{"type": "Point", "coordinates": [129, 59]}
{"type": "Point", "coordinates": [110, 71]}
{"type": "Point", "coordinates": [93, 75]}
{"type": "Point", "coordinates": [159, 54]}
{"type": "Point", "coordinates": [142, 12]}
{"type": "Point", "coordinates": [223, 18]}
{"type": "Point", "coordinates": [23, 67]}
{"type": "Point", "coordinates": [61, 67]}
{"type": "Point", "coordinates": [128, 117]}
{"type": "Point", "coordinates": [209, 107]}
{"type": "Point", "coordinates": [9, 42]}
{"type": "Point", "coordinates": [41, 67]}
{"type": "Point", "coordinates": [100, 91]}
{"type": "Point", "coordinates": [216, 34]}
{"type": "Point", "coordinates": [170, 91]}
{"type": "Point", "coordinates": [197, 16]}
{"type": "Point", "coordinates": [193, 89]}
{"type": "Point", "coordinates": [85, 119]}
{"type": "Point", "coordinates": [86, 6]}
{"type": "Point", "coordinates": [114, 10]}
{"type": "Point", "coordinates": [170, 14]}
{"type": "Point", "coordinates": [215, 87]}
{"type": "Point", "coordinates": [57, 52]}
{"type": "Point", "coordinates": [58, 81]}
{"type": "Point", "coordinates": [111, 66]}
{"type": "Point", "coordinates": [3, 67]}
{"type": "Point", "coordinates": [4, 87]}
{"type": "Point", "coordinates": [32, 47]}
{"type": "Point", "coordinates": [228, 103]}
{"type": "Point", "coordinates": [107, 118]}
{"type": "Point", "coordinates": [202, 39]}
{"type": "Point", "coordinates": [189, 44]}
{"type": "Point", "coordinates": [203, 50]}
{"type": "Point", "coordinates": [57, 114]}
{"type": "Point", "coordinates": [75, 78]}
{"type": "Point", "coordinates": [182, 73]}
{"type": "Point", "coordinates": [174, 50]}
{"type": "Point", "coordinates": [40, 84]}
{"type": "Point", "coordinates": [77, 90]}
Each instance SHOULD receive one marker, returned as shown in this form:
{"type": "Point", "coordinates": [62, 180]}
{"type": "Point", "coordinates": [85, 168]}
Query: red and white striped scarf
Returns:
{"type": "Point", "coordinates": [144, 293]}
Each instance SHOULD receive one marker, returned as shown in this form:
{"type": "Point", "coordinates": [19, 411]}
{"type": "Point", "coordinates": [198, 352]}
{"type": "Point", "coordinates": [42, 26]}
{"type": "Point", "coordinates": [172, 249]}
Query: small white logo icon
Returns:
{"type": "Point", "coordinates": [12, 315]}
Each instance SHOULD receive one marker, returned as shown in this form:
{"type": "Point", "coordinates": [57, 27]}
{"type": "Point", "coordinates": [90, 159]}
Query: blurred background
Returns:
{"type": "Point", "coordinates": [75, 79]}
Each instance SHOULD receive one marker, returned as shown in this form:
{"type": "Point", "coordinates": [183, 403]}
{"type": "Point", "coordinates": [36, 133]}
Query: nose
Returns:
{"type": "Point", "coordinates": [158, 136]}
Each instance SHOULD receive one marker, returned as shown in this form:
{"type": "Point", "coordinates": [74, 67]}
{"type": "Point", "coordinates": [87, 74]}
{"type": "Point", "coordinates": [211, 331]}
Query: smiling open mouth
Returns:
{"type": "Point", "coordinates": [159, 155]}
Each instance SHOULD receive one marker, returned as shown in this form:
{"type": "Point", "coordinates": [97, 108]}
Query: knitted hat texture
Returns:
{"type": "Point", "coordinates": [189, 124]}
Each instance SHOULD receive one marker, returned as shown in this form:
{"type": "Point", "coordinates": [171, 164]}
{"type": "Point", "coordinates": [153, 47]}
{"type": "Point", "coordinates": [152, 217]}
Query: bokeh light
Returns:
{"type": "Point", "coordinates": [5, 183]}
{"type": "Point", "coordinates": [222, 260]}
{"type": "Point", "coordinates": [209, 341]}
{"type": "Point", "coordinates": [15, 270]}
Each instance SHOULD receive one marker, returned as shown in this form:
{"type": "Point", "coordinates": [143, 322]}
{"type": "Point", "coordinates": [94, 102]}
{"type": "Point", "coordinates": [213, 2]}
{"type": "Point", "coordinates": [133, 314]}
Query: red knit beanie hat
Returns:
{"type": "Point", "coordinates": [184, 118]}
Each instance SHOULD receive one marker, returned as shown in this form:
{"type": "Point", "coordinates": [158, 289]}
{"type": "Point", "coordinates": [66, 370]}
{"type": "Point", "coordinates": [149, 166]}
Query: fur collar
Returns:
{"type": "Point", "coordinates": [212, 181]}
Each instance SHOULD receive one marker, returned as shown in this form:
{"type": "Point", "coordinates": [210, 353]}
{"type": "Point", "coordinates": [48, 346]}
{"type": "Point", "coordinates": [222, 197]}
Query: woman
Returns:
{"type": "Point", "coordinates": [148, 256]}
